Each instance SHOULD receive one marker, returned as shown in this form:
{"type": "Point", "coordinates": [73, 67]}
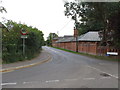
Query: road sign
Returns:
{"type": "Point", "coordinates": [23, 31]}
{"type": "Point", "coordinates": [24, 36]}
{"type": "Point", "coordinates": [112, 53]}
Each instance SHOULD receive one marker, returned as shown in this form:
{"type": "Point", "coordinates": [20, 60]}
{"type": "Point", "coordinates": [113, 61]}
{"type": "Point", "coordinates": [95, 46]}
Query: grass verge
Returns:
{"type": "Point", "coordinates": [92, 56]}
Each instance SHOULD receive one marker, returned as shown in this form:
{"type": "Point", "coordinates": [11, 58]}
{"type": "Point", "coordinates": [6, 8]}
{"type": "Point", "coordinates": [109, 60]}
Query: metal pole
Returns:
{"type": "Point", "coordinates": [23, 46]}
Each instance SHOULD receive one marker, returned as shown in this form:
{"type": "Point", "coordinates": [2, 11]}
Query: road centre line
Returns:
{"type": "Point", "coordinates": [102, 71]}
{"type": "Point", "coordinates": [70, 79]}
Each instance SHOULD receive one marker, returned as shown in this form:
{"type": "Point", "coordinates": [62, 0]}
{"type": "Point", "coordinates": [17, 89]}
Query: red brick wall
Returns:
{"type": "Point", "coordinates": [85, 47]}
{"type": "Point", "coordinates": [73, 46]}
{"type": "Point", "coordinates": [70, 46]}
{"type": "Point", "coordinates": [66, 45]}
{"type": "Point", "coordinates": [54, 42]}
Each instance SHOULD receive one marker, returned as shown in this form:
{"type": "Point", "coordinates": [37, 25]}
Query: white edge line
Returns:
{"type": "Point", "coordinates": [52, 81]}
{"type": "Point", "coordinates": [103, 72]}
{"type": "Point", "coordinates": [88, 78]}
{"type": "Point", "coordinates": [8, 84]}
{"type": "Point", "coordinates": [70, 79]}
{"type": "Point", "coordinates": [26, 82]}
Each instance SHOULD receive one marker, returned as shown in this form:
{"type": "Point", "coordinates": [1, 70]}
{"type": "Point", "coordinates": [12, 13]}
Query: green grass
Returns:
{"type": "Point", "coordinates": [92, 56]}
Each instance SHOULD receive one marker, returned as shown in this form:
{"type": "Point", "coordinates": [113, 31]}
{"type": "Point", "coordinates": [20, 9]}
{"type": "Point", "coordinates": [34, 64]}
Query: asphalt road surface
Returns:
{"type": "Point", "coordinates": [64, 70]}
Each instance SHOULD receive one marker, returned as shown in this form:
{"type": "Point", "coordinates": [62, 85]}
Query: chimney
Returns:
{"type": "Point", "coordinates": [75, 32]}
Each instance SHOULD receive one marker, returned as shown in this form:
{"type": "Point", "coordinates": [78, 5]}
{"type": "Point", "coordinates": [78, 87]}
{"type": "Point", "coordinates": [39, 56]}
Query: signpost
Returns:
{"type": "Point", "coordinates": [23, 36]}
{"type": "Point", "coordinates": [112, 53]}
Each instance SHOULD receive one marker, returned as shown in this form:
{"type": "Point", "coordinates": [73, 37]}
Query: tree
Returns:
{"type": "Point", "coordinates": [12, 43]}
{"type": "Point", "coordinates": [2, 9]}
{"type": "Point", "coordinates": [50, 38]}
{"type": "Point", "coordinates": [97, 16]}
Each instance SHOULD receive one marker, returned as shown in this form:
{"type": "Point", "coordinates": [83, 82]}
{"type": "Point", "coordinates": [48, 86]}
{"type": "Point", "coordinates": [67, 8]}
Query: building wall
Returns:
{"type": "Point", "coordinates": [70, 46]}
{"type": "Point", "coordinates": [54, 42]}
{"type": "Point", "coordinates": [73, 46]}
{"type": "Point", "coordinates": [85, 47]}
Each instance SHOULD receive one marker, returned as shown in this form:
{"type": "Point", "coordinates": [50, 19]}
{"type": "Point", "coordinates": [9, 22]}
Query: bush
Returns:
{"type": "Point", "coordinates": [13, 47]}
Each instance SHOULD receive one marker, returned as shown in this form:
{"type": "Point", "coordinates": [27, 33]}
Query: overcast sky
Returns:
{"type": "Point", "coordinates": [46, 15]}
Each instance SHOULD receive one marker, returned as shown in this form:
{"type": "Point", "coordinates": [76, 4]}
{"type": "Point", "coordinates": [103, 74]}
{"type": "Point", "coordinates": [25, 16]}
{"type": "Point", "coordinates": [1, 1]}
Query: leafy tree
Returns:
{"type": "Point", "coordinates": [50, 38]}
{"type": "Point", "coordinates": [97, 16]}
{"type": "Point", "coordinates": [12, 43]}
{"type": "Point", "coordinates": [2, 9]}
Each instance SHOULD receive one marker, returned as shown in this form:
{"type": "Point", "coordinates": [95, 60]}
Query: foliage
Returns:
{"type": "Point", "coordinates": [12, 43]}
{"type": "Point", "coordinates": [2, 8]}
{"type": "Point", "coordinates": [96, 16]}
{"type": "Point", "coordinates": [50, 38]}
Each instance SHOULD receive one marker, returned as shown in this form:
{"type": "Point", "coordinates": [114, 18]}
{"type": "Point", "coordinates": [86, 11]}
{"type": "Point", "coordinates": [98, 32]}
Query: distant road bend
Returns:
{"type": "Point", "coordinates": [64, 70]}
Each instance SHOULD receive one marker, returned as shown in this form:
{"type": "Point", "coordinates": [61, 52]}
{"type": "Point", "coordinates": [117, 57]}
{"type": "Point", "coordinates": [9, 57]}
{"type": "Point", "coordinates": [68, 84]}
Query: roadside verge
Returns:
{"type": "Point", "coordinates": [44, 57]}
{"type": "Point", "coordinates": [90, 55]}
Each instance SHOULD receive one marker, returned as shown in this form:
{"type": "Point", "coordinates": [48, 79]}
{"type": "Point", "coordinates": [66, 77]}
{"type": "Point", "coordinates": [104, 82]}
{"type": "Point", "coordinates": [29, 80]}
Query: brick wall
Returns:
{"type": "Point", "coordinates": [66, 45]}
{"type": "Point", "coordinates": [54, 42]}
{"type": "Point", "coordinates": [85, 47]}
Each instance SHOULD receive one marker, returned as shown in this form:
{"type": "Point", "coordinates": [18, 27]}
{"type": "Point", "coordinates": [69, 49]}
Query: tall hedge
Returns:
{"type": "Point", "coordinates": [12, 43]}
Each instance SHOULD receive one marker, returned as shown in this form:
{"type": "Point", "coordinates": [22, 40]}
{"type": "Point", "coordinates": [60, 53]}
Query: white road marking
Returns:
{"type": "Point", "coordinates": [103, 72]}
{"type": "Point", "coordinates": [32, 64]}
{"type": "Point", "coordinates": [19, 67]}
{"type": "Point", "coordinates": [70, 79]}
{"type": "Point", "coordinates": [8, 84]}
{"type": "Point", "coordinates": [88, 78]}
{"type": "Point", "coordinates": [32, 82]}
{"type": "Point", "coordinates": [52, 81]}
{"type": "Point", "coordinates": [26, 82]}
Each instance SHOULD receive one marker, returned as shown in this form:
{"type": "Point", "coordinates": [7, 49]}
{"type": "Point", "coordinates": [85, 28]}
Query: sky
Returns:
{"type": "Point", "coordinates": [46, 15]}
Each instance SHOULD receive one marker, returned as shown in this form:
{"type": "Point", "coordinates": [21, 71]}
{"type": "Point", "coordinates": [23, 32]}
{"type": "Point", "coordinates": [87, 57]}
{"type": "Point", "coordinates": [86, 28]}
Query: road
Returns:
{"type": "Point", "coordinates": [64, 70]}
